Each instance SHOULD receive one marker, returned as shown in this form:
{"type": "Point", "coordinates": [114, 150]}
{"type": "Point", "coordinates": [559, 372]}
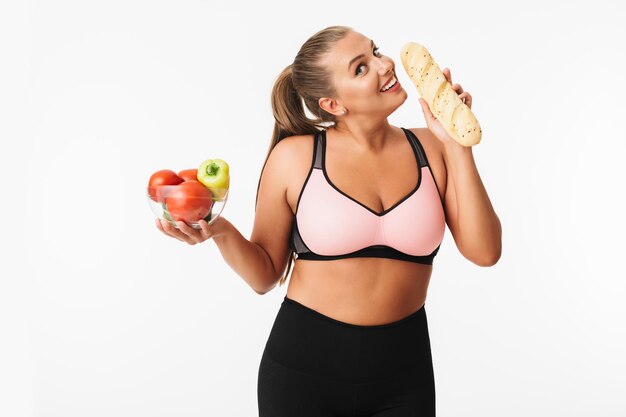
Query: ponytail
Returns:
{"type": "Point", "coordinates": [302, 83]}
{"type": "Point", "coordinates": [290, 118]}
{"type": "Point", "coordinates": [288, 109]}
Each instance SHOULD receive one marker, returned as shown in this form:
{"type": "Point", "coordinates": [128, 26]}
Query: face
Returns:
{"type": "Point", "coordinates": [360, 71]}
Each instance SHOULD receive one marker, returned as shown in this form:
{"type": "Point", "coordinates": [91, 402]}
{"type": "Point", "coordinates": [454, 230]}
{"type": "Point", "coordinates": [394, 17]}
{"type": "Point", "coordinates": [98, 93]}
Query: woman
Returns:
{"type": "Point", "coordinates": [364, 205]}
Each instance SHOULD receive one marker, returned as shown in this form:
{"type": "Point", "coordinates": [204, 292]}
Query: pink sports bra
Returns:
{"type": "Point", "coordinates": [329, 224]}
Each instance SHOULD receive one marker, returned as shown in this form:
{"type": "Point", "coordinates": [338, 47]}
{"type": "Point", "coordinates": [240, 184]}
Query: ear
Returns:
{"type": "Point", "coordinates": [331, 106]}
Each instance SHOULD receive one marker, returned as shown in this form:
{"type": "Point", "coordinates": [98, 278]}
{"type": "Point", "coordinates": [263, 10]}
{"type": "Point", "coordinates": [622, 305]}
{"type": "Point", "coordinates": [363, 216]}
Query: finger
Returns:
{"type": "Point", "coordinates": [466, 97]}
{"type": "Point", "coordinates": [457, 88]}
{"type": "Point", "coordinates": [426, 109]}
{"type": "Point", "coordinates": [446, 72]}
{"type": "Point", "coordinates": [206, 228]}
{"type": "Point", "coordinates": [174, 232]}
{"type": "Point", "coordinates": [190, 233]}
{"type": "Point", "coordinates": [163, 227]}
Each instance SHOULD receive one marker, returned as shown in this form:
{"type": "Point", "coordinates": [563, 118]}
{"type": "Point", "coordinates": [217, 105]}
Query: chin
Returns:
{"type": "Point", "coordinates": [402, 97]}
{"type": "Point", "coordinates": [401, 101]}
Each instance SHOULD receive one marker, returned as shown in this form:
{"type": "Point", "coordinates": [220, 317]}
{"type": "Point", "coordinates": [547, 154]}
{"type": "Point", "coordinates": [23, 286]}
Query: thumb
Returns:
{"type": "Point", "coordinates": [426, 109]}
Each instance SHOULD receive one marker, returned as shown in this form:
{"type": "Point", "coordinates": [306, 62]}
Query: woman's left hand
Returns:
{"type": "Point", "coordinates": [431, 121]}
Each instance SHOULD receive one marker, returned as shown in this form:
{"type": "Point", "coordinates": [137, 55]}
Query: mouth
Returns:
{"type": "Point", "coordinates": [390, 84]}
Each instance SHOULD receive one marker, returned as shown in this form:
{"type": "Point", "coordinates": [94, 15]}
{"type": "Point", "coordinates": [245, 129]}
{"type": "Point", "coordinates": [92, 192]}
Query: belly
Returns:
{"type": "Point", "coordinates": [361, 291]}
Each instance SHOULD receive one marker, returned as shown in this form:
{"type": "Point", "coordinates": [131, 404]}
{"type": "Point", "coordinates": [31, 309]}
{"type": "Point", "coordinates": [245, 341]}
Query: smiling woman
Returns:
{"type": "Point", "coordinates": [342, 78]}
{"type": "Point", "coordinates": [351, 336]}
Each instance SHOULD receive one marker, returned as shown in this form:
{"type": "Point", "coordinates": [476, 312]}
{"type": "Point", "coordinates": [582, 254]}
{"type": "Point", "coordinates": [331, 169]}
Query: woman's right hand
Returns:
{"type": "Point", "coordinates": [186, 233]}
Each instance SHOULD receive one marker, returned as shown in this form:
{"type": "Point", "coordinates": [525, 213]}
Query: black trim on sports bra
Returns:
{"type": "Point", "coordinates": [423, 153]}
{"type": "Point", "coordinates": [375, 251]}
{"type": "Point", "coordinates": [419, 159]}
{"type": "Point", "coordinates": [380, 251]}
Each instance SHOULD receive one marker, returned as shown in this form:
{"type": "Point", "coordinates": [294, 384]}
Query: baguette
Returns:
{"type": "Point", "coordinates": [455, 116]}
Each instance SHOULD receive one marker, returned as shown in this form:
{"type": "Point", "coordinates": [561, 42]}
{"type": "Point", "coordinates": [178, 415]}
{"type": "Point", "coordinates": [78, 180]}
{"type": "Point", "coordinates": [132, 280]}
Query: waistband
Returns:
{"type": "Point", "coordinates": [310, 342]}
{"type": "Point", "coordinates": [321, 316]}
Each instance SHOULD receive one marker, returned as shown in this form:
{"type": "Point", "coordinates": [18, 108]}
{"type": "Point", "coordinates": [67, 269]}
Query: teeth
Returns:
{"type": "Point", "coordinates": [390, 84]}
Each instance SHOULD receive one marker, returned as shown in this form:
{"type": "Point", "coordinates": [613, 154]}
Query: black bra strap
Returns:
{"type": "Point", "coordinates": [319, 148]}
{"type": "Point", "coordinates": [421, 154]}
{"type": "Point", "coordinates": [317, 163]}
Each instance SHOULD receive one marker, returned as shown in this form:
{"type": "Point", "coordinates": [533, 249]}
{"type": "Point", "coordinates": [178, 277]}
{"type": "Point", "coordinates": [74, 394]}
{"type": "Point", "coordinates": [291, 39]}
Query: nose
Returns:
{"type": "Point", "coordinates": [384, 66]}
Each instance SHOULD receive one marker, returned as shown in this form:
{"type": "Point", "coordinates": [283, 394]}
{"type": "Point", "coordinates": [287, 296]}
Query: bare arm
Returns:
{"type": "Point", "coordinates": [476, 228]}
{"type": "Point", "coordinates": [470, 216]}
{"type": "Point", "coordinates": [261, 259]}
{"type": "Point", "coordinates": [246, 258]}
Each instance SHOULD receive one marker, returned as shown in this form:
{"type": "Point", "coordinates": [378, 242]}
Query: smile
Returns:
{"type": "Point", "coordinates": [389, 85]}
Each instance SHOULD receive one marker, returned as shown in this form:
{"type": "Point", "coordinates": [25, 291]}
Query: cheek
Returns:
{"type": "Point", "coordinates": [374, 84]}
{"type": "Point", "coordinates": [359, 88]}
{"type": "Point", "coordinates": [366, 88]}
{"type": "Point", "coordinates": [370, 84]}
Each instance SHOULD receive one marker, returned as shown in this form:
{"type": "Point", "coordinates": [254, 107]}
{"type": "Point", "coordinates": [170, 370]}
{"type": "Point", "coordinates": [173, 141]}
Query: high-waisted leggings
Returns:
{"type": "Point", "coordinates": [316, 366]}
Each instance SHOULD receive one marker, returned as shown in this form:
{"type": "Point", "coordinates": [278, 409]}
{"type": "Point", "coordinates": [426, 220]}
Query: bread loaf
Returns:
{"type": "Point", "coordinates": [454, 115]}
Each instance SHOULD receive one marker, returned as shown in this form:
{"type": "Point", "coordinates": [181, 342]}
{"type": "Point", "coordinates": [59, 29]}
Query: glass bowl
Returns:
{"type": "Point", "coordinates": [173, 203]}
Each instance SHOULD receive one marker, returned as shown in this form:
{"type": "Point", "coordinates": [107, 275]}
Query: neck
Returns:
{"type": "Point", "coordinates": [363, 136]}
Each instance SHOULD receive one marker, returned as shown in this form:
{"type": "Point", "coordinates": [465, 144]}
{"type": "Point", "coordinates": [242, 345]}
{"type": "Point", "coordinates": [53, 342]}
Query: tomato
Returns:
{"type": "Point", "coordinates": [162, 177]}
{"type": "Point", "coordinates": [189, 174]}
{"type": "Point", "coordinates": [189, 201]}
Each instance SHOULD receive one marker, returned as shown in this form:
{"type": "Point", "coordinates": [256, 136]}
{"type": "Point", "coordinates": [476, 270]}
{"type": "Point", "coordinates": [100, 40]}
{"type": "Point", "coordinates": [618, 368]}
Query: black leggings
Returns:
{"type": "Point", "coordinates": [314, 365]}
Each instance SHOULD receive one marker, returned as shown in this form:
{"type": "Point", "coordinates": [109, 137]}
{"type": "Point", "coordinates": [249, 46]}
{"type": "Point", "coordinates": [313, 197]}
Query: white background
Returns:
{"type": "Point", "coordinates": [102, 315]}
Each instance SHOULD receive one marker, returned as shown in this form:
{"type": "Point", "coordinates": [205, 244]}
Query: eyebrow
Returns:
{"type": "Point", "coordinates": [357, 58]}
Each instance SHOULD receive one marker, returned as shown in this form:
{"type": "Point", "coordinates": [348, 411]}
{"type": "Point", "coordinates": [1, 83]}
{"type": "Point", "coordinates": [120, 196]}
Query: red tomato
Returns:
{"type": "Point", "coordinates": [162, 177]}
{"type": "Point", "coordinates": [189, 201]}
{"type": "Point", "coordinates": [189, 174]}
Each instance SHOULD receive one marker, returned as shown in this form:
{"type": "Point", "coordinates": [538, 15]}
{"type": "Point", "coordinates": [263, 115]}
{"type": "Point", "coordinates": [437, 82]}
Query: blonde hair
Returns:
{"type": "Point", "coordinates": [304, 81]}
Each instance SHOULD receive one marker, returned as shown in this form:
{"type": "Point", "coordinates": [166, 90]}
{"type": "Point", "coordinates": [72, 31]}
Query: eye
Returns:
{"type": "Point", "coordinates": [376, 54]}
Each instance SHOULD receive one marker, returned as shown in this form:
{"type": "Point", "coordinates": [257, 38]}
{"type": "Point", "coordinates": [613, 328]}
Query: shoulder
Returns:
{"type": "Point", "coordinates": [432, 146]}
{"type": "Point", "coordinates": [294, 145]}
{"type": "Point", "coordinates": [288, 165]}
{"type": "Point", "coordinates": [435, 154]}
{"type": "Point", "coordinates": [291, 151]}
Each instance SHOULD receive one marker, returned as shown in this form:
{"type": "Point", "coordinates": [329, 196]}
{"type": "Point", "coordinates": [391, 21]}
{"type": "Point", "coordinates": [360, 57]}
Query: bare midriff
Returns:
{"type": "Point", "coordinates": [361, 291]}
